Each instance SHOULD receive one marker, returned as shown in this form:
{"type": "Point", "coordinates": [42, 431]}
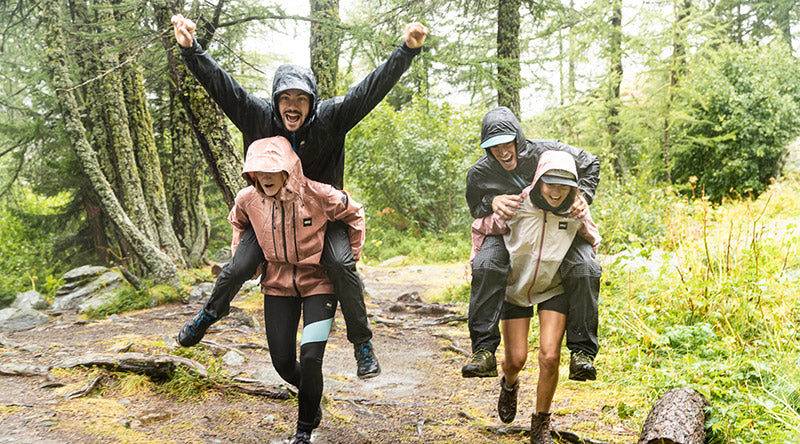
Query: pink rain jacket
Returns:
{"type": "Point", "coordinates": [537, 240]}
{"type": "Point", "coordinates": [290, 226]}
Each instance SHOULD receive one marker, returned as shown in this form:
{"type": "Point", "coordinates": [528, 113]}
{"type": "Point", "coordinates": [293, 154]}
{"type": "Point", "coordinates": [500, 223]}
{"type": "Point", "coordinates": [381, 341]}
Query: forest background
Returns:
{"type": "Point", "coordinates": [110, 152]}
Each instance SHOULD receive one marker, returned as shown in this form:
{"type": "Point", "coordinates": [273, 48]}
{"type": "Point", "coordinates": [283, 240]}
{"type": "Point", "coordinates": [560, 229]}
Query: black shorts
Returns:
{"type": "Point", "coordinates": [558, 303]}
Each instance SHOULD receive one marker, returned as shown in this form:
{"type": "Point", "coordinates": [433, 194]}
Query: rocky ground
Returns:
{"type": "Point", "coordinates": [419, 397]}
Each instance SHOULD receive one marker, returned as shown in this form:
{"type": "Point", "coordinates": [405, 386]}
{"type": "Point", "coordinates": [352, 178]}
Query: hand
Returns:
{"type": "Point", "coordinates": [184, 30]}
{"type": "Point", "coordinates": [506, 205]}
{"type": "Point", "coordinates": [415, 34]}
{"type": "Point", "coordinates": [579, 208]}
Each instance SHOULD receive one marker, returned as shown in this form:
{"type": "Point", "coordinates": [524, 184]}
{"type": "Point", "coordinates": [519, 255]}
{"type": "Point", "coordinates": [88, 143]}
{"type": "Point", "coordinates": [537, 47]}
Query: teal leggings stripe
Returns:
{"type": "Point", "coordinates": [316, 331]}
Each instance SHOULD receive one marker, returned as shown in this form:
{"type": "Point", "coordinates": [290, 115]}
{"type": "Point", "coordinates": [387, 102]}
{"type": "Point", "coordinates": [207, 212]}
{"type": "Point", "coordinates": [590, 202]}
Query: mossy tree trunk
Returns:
{"type": "Point", "coordinates": [508, 65]}
{"type": "Point", "coordinates": [158, 265]}
{"type": "Point", "coordinates": [326, 43]}
{"type": "Point", "coordinates": [206, 120]}
{"type": "Point", "coordinates": [614, 82]}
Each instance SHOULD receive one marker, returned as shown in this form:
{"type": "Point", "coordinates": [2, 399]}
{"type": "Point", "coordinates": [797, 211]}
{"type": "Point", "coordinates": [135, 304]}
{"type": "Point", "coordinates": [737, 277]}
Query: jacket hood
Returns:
{"type": "Point", "coordinates": [272, 155]}
{"type": "Point", "coordinates": [501, 122]}
{"type": "Point", "coordinates": [556, 160]}
{"type": "Point", "coordinates": [294, 77]}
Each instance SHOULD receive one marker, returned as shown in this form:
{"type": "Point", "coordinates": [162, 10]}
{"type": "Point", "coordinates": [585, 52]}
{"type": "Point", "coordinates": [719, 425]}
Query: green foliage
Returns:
{"type": "Point", "coordinates": [744, 106]}
{"type": "Point", "coordinates": [454, 293]}
{"type": "Point", "coordinates": [408, 167]}
{"type": "Point", "coordinates": [28, 232]}
{"type": "Point", "coordinates": [418, 247]}
{"type": "Point", "coordinates": [129, 298]}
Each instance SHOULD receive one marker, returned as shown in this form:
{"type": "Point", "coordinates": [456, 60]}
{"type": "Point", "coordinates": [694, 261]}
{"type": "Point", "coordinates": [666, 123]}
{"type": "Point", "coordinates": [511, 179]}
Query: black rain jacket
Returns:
{"type": "Point", "coordinates": [487, 179]}
{"type": "Point", "coordinates": [319, 142]}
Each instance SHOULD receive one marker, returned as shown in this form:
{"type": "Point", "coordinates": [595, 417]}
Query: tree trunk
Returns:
{"type": "Point", "coordinates": [326, 42]}
{"type": "Point", "coordinates": [204, 116]}
{"type": "Point", "coordinates": [158, 264]}
{"type": "Point", "coordinates": [677, 418]}
{"type": "Point", "coordinates": [675, 72]}
{"type": "Point", "coordinates": [615, 79]}
{"type": "Point", "coordinates": [141, 129]}
{"type": "Point", "coordinates": [186, 191]}
{"type": "Point", "coordinates": [508, 66]}
{"type": "Point", "coordinates": [571, 59]}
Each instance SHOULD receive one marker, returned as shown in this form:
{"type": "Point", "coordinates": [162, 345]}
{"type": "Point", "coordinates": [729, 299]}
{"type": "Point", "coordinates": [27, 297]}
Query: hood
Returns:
{"type": "Point", "coordinates": [502, 122]}
{"type": "Point", "coordinates": [556, 160]}
{"type": "Point", "coordinates": [271, 155]}
{"type": "Point", "coordinates": [294, 77]}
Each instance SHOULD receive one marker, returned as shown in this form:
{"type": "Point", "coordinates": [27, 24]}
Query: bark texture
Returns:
{"type": "Point", "coordinates": [508, 65]}
{"type": "Point", "coordinates": [677, 418]}
{"type": "Point", "coordinates": [615, 79]}
{"type": "Point", "coordinates": [158, 264]}
{"type": "Point", "coordinates": [326, 42]}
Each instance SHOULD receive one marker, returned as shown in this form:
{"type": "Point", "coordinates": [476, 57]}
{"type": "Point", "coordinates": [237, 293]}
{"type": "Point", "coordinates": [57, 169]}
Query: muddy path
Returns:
{"type": "Point", "coordinates": [419, 397]}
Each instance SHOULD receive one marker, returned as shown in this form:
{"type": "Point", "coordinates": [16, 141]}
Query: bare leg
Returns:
{"type": "Point", "coordinates": [515, 342]}
{"type": "Point", "coordinates": [551, 333]}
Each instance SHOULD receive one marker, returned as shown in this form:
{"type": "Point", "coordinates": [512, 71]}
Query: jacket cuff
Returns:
{"type": "Point", "coordinates": [410, 51]}
{"type": "Point", "coordinates": [195, 48]}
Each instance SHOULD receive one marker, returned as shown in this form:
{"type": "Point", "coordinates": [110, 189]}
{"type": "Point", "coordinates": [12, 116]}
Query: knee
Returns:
{"type": "Point", "coordinates": [549, 360]}
{"type": "Point", "coordinates": [515, 362]}
{"type": "Point", "coordinates": [311, 363]}
{"type": "Point", "coordinates": [284, 367]}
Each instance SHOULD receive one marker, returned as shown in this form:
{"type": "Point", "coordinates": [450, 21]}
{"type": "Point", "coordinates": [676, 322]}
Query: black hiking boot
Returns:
{"type": "Point", "coordinates": [540, 429]}
{"type": "Point", "coordinates": [194, 329]}
{"type": "Point", "coordinates": [581, 367]}
{"type": "Point", "coordinates": [301, 438]}
{"type": "Point", "coordinates": [507, 402]}
{"type": "Point", "coordinates": [366, 360]}
{"type": "Point", "coordinates": [482, 365]}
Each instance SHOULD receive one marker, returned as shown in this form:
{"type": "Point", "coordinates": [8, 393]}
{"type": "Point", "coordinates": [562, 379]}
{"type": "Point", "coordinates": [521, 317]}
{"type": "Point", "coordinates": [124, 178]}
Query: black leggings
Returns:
{"type": "Point", "coordinates": [282, 316]}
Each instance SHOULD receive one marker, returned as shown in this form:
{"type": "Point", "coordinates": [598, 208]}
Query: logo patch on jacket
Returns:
{"type": "Point", "coordinates": [562, 225]}
{"type": "Point", "coordinates": [307, 222]}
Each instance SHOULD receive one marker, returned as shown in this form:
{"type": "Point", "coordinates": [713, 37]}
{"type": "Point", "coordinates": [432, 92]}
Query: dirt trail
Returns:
{"type": "Point", "coordinates": [419, 397]}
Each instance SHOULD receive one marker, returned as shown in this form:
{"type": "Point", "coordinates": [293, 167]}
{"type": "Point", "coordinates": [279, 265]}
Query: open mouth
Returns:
{"type": "Point", "coordinates": [291, 118]}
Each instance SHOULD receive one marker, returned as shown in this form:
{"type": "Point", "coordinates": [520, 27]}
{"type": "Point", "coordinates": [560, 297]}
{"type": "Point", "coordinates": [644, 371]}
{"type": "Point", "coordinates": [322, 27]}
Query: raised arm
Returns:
{"type": "Point", "coordinates": [245, 110]}
{"type": "Point", "coordinates": [359, 100]}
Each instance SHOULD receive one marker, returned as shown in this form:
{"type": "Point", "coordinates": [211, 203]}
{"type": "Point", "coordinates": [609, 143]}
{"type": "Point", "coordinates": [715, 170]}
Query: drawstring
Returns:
{"type": "Point", "coordinates": [294, 147]}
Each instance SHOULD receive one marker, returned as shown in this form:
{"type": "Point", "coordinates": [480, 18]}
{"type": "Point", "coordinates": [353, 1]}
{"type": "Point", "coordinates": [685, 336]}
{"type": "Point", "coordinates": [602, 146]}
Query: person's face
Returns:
{"type": "Point", "coordinates": [293, 107]}
{"type": "Point", "coordinates": [555, 194]}
{"type": "Point", "coordinates": [270, 183]}
{"type": "Point", "coordinates": [506, 154]}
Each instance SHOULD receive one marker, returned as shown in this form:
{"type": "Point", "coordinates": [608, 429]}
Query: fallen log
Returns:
{"type": "Point", "coordinates": [155, 366]}
{"type": "Point", "coordinates": [677, 418]}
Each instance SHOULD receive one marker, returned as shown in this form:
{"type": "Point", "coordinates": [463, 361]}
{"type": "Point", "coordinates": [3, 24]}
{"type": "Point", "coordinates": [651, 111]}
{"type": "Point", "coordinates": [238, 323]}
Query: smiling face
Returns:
{"type": "Point", "coordinates": [555, 194]}
{"type": "Point", "coordinates": [506, 154]}
{"type": "Point", "coordinates": [269, 183]}
{"type": "Point", "coordinates": [293, 107]}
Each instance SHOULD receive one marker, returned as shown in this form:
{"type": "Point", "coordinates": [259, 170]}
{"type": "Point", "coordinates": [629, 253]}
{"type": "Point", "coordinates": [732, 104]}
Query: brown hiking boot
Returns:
{"type": "Point", "coordinates": [540, 429]}
{"type": "Point", "coordinates": [581, 367]}
{"type": "Point", "coordinates": [482, 365]}
{"type": "Point", "coordinates": [507, 402]}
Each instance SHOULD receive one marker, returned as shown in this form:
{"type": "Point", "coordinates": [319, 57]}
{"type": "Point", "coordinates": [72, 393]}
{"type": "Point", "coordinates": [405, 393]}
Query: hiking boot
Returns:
{"type": "Point", "coordinates": [302, 438]}
{"type": "Point", "coordinates": [507, 402]}
{"type": "Point", "coordinates": [194, 329]}
{"type": "Point", "coordinates": [366, 360]}
{"type": "Point", "coordinates": [581, 367]}
{"type": "Point", "coordinates": [482, 365]}
{"type": "Point", "coordinates": [540, 429]}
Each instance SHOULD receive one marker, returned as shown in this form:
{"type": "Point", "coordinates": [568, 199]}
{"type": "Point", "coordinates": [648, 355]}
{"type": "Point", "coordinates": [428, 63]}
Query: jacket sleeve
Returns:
{"type": "Point", "coordinates": [479, 196]}
{"type": "Point", "coordinates": [589, 231]}
{"type": "Point", "coordinates": [588, 169]}
{"type": "Point", "coordinates": [239, 221]}
{"type": "Point", "coordinates": [340, 206]}
{"type": "Point", "coordinates": [240, 106]}
{"type": "Point", "coordinates": [346, 111]}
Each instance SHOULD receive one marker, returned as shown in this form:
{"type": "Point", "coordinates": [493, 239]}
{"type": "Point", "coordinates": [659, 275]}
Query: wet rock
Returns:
{"type": "Point", "coordinates": [397, 308]}
{"type": "Point", "coordinates": [222, 255]}
{"type": "Point", "coordinates": [84, 273]}
{"type": "Point", "coordinates": [233, 358]}
{"type": "Point", "coordinates": [103, 284]}
{"type": "Point", "coordinates": [13, 319]}
{"type": "Point", "coordinates": [410, 298]}
{"type": "Point", "coordinates": [30, 299]}
{"type": "Point", "coordinates": [201, 292]}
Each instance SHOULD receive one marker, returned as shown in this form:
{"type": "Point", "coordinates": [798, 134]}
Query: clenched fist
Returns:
{"type": "Point", "coordinates": [415, 34]}
{"type": "Point", "coordinates": [184, 30]}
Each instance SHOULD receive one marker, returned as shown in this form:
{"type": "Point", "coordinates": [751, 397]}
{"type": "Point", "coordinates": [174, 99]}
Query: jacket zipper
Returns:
{"type": "Point", "coordinates": [538, 257]}
{"type": "Point", "coordinates": [294, 232]}
{"type": "Point", "coordinates": [286, 249]}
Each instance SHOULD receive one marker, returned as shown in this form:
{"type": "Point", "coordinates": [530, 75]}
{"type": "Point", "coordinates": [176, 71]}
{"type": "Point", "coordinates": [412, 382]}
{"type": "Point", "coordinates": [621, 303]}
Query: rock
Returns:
{"type": "Point", "coordinates": [84, 273]}
{"type": "Point", "coordinates": [393, 262]}
{"type": "Point", "coordinates": [110, 280]}
{"type": "Point", "coordinates": [30, 299]}
{"type": "Point", "coordinates": [97, 301]}
{"type": "Point", "coordinates": [12, 319]}
{"type": "Point", "coordinates": [201, 292]}
{"type": "Point", "coordinates": [222, 255]}
{"type": "Point", "coordinates": [249, 285]}
{"type": "Point", "coordinates": [233, 358]}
